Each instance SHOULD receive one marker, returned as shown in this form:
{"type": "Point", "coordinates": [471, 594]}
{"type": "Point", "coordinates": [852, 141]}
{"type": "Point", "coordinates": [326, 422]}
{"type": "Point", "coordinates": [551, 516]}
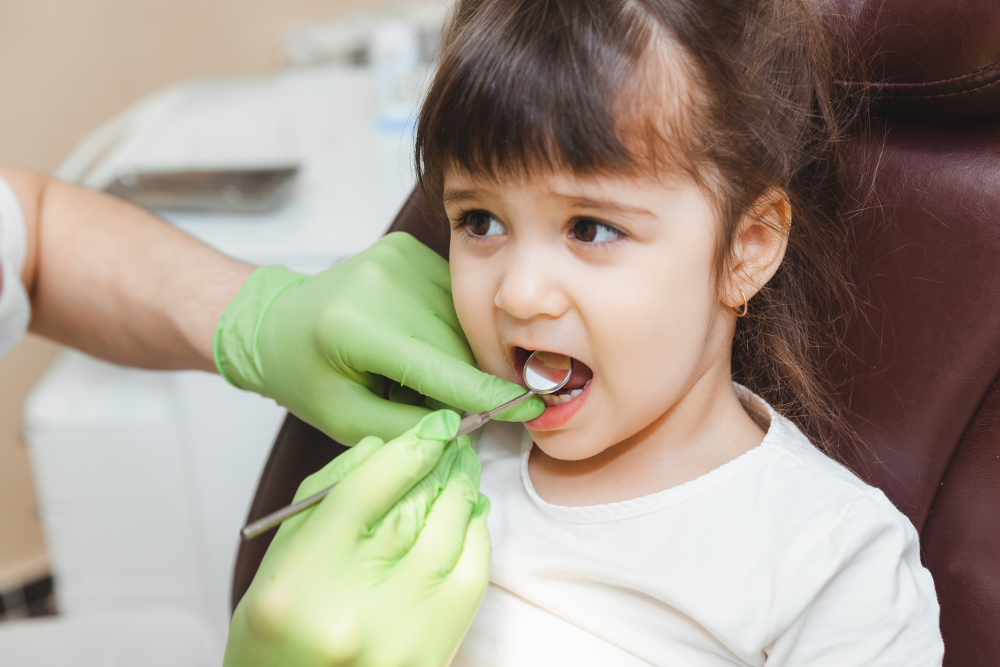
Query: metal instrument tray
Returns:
{"type": "Point", "coordinates": [254, 190]}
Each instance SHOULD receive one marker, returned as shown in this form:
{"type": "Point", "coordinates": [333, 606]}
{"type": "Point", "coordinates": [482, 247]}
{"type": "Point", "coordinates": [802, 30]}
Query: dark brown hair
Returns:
{"type": "Point", "coordinates": [743, 105]}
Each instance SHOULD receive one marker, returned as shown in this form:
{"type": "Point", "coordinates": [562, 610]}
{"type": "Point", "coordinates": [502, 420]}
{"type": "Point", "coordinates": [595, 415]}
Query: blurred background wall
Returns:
{"type": "Point", "coordinates": [66, 66]}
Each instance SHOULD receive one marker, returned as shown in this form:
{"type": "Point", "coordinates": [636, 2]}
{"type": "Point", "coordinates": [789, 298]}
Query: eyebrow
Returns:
{"type": "Point", "coordinates": [460, 196]}
{"type": "Point", "coordinates": [471, 194]}
{"type": "Point", "coordinates": [604, 205]}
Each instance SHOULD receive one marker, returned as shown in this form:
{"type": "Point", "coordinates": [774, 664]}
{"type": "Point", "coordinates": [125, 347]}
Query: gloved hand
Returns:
{"type": "Point", "coordinates": [387, 570]}
{"type": "Point", "coordinates": [318, 345]}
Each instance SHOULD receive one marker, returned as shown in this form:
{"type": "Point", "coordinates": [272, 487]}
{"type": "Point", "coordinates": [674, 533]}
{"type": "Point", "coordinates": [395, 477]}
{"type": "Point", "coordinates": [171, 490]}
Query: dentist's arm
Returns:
{"type": "Point", "coordinates": [114, 281]}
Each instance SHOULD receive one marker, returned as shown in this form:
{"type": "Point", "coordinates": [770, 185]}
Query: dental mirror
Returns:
{"type": "Point", "coordinates": [544, 373]}
{"type": "Point", "coordinates": [547, 372]}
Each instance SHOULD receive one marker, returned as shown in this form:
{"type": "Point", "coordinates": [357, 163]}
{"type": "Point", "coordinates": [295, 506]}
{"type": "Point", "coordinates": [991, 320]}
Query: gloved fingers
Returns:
{"type": "Point", "coordinates": [404, 274]}
{"type": "Point", "coordinates": [434, 302]}
{"type": "Point", "coordinates": [432, 404]}
{"type": "Point", "coordinates": [438, 374]}
{"type": "Point", "coordinates": [423, 260]}
{"type": "Point", "coordinates": [443, 536]}
{"type": "Point", "coordinates": [330, 474]}
{"type": "Point", "coordinates": [395, 533]}
{"type": "Point", "coordinates": [471, 573]}
{"type": "Point", "coordinates": [406, 396]}
{"type": "Point", "coordinates": [365, 496]}
{"type": "Point", "coordinates": [336, 469]}
{"type": "Point", "coordinates": [348, 412]}
{"type": "Point", "coordinates": [423, 324]}
{"type": "Point", "coordinates": [399, 294]}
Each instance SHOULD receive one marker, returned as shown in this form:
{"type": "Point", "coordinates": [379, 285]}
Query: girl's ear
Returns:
{"type": "Point", "coordinates": [758, 245]}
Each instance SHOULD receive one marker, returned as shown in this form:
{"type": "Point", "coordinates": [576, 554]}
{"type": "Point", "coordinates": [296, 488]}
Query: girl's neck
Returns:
{"type": "Point", "coordinates": [706, 428]}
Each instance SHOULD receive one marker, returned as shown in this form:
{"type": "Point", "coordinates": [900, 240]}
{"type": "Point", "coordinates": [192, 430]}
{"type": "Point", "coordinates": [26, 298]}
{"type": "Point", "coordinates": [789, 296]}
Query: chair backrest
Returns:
{"type": "Point", "coordinates": [924, 166]}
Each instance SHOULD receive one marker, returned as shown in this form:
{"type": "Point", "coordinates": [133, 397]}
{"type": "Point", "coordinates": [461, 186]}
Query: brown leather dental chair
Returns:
{"type": "Point", "coordinates": [924, 165]}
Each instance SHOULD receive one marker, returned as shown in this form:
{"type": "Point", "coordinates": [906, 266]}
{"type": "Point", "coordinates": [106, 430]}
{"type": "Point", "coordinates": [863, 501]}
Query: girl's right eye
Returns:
{"type": "Point", "coordinates": [482, 223]}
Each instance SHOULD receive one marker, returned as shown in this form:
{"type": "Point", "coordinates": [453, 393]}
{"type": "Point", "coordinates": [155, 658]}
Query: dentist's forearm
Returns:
{"type": "Point", "coordinates": [114, 281]}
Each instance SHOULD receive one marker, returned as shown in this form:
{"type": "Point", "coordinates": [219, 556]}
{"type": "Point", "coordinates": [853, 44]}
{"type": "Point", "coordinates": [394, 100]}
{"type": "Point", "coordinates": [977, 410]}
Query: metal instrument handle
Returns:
{"type": "Point", "coordinates": [264, 524]}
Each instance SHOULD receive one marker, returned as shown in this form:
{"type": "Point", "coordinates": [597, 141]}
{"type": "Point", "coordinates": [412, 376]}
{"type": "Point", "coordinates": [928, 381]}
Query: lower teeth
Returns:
{"type": "Point", "coordinates": [553, 400]}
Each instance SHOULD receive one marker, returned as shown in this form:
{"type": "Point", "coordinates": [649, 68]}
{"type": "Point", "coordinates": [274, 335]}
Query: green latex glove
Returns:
{"type": "Point", "coordinates": [387, 570]}
{"type": "Point", "coordinates": [319, 345]}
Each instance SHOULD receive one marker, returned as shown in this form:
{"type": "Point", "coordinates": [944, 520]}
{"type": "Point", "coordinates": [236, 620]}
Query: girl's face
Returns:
{"type": "Point", "coordinates": [616, 272]}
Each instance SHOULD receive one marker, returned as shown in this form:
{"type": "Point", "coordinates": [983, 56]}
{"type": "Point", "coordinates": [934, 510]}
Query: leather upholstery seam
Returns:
{"type": "Point", "coordinates": [954, 455]}
{"type": "Point", "coordinates": [898, 96]}
{"type": "Point", "coordinates": [927, 84]}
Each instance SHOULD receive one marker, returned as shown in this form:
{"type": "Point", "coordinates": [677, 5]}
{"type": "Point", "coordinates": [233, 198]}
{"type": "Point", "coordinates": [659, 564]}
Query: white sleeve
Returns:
{"type": "Point", "coordinates": [861, 597]}
{"type": "Point", "coordinates": [15, 309]}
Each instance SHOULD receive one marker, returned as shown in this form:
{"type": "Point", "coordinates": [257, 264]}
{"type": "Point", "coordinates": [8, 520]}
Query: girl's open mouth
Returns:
{"type": "Point", "coordinates": [563, 404]}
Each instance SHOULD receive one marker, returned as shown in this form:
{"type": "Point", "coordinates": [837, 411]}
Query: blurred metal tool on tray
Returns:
{"type": "Point", "coordinates": [241, 190]}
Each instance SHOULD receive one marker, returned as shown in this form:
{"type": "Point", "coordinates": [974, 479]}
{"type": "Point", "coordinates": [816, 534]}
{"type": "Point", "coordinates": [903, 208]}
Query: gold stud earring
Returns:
{"type": "Point", "coordinates": [746, 307]}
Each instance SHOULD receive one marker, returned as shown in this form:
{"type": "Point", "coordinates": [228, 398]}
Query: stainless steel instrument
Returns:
{"type": "Point", "coordinates": [539, 377]}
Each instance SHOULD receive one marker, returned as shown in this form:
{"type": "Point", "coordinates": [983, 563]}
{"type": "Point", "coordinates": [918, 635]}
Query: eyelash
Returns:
{"type": "Point", "coordinates": [462, 222]}
{"type": "Point", "coordinates": [616, 233]}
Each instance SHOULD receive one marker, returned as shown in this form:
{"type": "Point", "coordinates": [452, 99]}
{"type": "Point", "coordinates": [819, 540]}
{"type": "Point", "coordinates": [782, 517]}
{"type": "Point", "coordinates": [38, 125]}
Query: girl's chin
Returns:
{"type": "Point", "coordinates": [558, 416]}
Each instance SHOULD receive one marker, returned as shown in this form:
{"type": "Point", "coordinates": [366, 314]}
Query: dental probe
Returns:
{"type": "Point", "coordinates": [538, 379]}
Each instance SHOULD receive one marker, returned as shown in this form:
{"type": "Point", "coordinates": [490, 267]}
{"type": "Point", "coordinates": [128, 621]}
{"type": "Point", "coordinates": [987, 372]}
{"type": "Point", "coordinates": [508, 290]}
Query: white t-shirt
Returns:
{"type": "Point", "coordinates": [15, 309]}
{"type": "Point", "coordinates": [779, 557]}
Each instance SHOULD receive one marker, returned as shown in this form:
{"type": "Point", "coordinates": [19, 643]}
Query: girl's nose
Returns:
{"type": "Point", "coordinates": [531, 287]}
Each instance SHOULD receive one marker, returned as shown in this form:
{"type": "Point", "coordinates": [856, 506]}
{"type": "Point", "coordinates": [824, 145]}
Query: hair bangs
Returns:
{"type": "Point", "coordinates": [517, 93]}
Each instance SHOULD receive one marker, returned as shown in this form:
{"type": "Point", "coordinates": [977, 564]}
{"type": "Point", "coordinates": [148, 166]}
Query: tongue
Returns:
{"type": "Point", "coordinates": [581, 376]}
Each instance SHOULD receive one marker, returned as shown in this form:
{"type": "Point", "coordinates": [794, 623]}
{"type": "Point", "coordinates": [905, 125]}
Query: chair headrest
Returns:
{"type": "Point", "coordinates": [934, 59]}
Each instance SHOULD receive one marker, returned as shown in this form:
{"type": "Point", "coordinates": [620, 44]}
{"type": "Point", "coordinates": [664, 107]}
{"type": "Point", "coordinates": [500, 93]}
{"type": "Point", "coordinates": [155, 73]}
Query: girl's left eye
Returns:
{"type": "Point", "coordinates": [592, 231]}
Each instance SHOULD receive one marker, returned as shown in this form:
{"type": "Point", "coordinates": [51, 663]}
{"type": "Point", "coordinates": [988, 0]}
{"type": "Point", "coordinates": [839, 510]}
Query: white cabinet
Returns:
{"type": "Point", "coordinates": [144, 478]}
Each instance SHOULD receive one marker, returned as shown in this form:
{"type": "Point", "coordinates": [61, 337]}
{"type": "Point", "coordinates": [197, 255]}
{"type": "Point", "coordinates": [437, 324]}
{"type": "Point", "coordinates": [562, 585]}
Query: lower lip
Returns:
{"type": "Point", "coordinates": [558, 415]}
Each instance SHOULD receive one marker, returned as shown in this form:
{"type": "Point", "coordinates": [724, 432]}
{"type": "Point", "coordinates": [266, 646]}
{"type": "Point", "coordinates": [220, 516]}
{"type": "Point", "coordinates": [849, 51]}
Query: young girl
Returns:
{"type": "Point", "coordinates": [646, 186]}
